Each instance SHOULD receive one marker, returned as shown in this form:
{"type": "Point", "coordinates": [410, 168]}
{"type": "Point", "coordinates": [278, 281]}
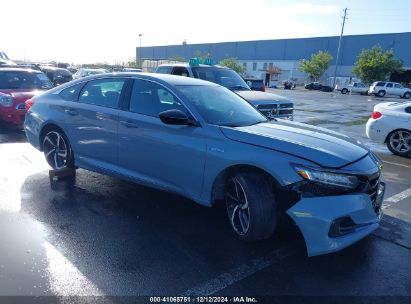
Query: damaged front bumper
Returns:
{"type": "Point", "coordinates": [331, 223]}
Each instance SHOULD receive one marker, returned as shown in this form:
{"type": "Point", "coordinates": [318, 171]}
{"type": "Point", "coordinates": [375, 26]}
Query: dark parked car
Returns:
{"type": "Point", "coordinates": [318, 86]}
{"type": "Point", "coordinates": [16, 86]}
{"type": "Point", "coordinates": [201, 140]}
{"type": "Point", "coordinates": [57, 76]}
{"type": "Point", "coordinates": [255, 84]}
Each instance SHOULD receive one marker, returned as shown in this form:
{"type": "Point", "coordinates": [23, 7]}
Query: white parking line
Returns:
{"type": "Point", "coordinates": [237, 274]}
{"type": "Point", "coordinates": [396, 198]}
{"type": "Point", "coordinates": [396, 164]}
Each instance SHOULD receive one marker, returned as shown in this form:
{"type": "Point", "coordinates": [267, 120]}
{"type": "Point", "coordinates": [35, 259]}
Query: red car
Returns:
{"type": "Point", "coordinates": [16, 86]}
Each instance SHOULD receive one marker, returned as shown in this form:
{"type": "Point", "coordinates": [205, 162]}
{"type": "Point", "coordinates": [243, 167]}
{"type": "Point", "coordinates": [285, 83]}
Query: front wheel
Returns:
{"type": "Point", "coordinates": [251, 206]}
{"type": "Point", "coordinates": [399, 142]}
{"type": "Point", "coordinates": [57, 150]}
{"type": "Point", "coordinates": [407, 95]}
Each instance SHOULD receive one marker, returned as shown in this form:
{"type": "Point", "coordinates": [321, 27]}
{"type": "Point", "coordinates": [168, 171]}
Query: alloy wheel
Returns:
{"type": "Point", "coordinates": [56, 150]}
{"type": "Point", "coordinates": [237, 206]}
{"type": "Point", "coordinates": [400, 141]}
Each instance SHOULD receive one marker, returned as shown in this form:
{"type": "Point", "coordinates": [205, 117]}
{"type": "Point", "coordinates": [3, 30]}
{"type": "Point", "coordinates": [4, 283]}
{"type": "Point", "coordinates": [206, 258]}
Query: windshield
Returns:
{"type": "Point", "coordinates": [24, 80]}
{"type": "Point", "coordinates": [219, 106]}
{"type": "Point", "coordinates": [225, 77]}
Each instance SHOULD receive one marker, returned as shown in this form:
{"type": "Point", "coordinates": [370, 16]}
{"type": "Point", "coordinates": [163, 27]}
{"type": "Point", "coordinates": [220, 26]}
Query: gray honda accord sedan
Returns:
{"type": "Point", "coordinates": [202, 141]}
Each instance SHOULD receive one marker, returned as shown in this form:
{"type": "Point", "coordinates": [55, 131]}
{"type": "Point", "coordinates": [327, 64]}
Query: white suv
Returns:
{"type": "Point", "coordinates": [382, 88]}
{"type": "Point", "coordinates": [355, 87]}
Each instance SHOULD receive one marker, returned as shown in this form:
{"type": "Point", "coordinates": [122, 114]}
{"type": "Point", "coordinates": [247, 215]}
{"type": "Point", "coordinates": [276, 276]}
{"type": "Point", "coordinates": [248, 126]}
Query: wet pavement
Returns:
{"type": "Point", "coordinates": [97, 235]}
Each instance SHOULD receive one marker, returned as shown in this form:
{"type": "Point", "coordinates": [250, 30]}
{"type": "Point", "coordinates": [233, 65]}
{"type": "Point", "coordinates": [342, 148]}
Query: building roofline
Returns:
{"type": "Point", "coordinates": [281, 39]}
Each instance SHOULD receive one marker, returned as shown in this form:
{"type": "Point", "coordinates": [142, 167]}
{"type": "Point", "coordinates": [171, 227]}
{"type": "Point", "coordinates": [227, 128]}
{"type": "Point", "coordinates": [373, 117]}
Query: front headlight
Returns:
{"type": "Point", "coordinates": [345, 181]}
{"type": "Point", "coordinates": [6, 101]}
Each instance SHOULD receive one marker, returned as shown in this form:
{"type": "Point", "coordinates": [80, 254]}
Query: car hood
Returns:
{"type": "Point", "coordinates": [389, 105]}
{"type": "Point", "coordinates": [321, 146]}
{"type": "Point", "coordinates": [257, 97]}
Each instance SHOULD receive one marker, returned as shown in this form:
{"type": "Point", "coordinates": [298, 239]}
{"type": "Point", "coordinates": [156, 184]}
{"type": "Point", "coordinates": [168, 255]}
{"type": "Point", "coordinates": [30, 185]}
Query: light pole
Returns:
{"type": "Point", "coordinates": [339, 46]}
{"type": "Point", "coordinates": [139, 53]}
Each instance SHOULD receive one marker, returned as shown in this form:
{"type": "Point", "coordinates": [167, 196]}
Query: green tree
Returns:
{"type": "Point", "coordinates": [179, 59]}
{"type": "Point", "coordinates": [133, 63]}
{"type": "Point", "coordinates": [317, 65]}
{"type": "Point", "coordinates": [375, 64]}
{"type": "Point", "coordinates": [233, 64]}
{"type": "Point", "coordinates": [200, 55]}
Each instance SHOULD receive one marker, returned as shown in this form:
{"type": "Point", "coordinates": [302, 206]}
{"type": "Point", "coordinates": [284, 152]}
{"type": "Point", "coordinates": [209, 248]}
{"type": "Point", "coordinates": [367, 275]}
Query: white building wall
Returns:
{"type": "Point", "coordinates": [290, 71]}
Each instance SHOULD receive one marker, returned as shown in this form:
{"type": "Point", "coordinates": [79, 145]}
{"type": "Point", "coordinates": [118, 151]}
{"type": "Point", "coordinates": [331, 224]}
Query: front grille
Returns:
{"type": "Point", "coordinates": [267, 107]}
{"type": "Point", "coordinates": [371, 188]}
{"type": "Point", "coordinates": [286, 109]}
{"type": "Point", "coordinates": [286, 112]}
{"type": "Point", "coordinates": [268, 110]}
{"type": "Point", "coordinates": [274, 110]}
{"type": "Point", "coordinates": [286, 105]}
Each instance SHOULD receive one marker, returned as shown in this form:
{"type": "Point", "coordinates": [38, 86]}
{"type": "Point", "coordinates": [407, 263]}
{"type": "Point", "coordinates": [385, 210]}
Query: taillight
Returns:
{"type": "Point", "coordinates": [376, 115]}
{"type": "Point", "coordinates": [28, 104]}
{"type": "Point", "coordinates": [263, 87]}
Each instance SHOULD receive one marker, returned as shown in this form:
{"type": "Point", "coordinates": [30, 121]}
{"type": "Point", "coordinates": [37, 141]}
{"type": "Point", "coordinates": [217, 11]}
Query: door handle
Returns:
{"type": "Point", "coordinates": [102, 116]}
{"type": "Point", "coordinates": [128, 124]}
{"type": "Point", "coordinates": [70, 111]}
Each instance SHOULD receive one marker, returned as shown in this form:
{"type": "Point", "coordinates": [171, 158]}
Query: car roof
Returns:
{"type": "Point", "coordinates": [167, 78]}
{"type": "Point", "coordinates": [187, 65]}
{"type": "Point", "coordinates": [47, 67]}
{"type": "Point", "coordinates": [171, 79]}
{"type": "Point", "coordinates": [20, 70]}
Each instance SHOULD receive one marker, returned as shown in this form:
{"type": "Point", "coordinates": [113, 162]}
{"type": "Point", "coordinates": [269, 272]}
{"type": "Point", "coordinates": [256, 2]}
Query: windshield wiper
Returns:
{"type": "Point", "coordinates": [239, 87]}
{"type": "Point", "coordinates": [230, 125]}
{"type": "Point", "coordinates": [258, 122]}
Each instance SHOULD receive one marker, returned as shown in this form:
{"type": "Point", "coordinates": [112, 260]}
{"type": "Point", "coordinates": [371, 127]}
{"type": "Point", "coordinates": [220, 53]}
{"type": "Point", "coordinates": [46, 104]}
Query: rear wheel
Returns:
{"type": "Point", "coordinates": [344, 91]}
{"type": "Point", "coordinates": [251, 206]}
{"type": "Point", "coordinates": [399, 142]}
{"type": "Point", "coordinates": [57, 150]}
{"type": "Point", "coordinates": [381, 93]}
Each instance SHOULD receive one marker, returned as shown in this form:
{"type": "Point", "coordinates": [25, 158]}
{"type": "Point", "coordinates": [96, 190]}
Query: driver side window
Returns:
{"type": "Point", "coordinates": [150, 98]}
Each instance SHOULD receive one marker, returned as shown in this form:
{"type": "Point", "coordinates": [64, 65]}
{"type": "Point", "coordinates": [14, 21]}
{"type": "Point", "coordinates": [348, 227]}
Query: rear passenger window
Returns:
{"type": "Point", "coordinates": [408, 110]}
{"type": "Point", "coordinates": [71, 93]}
{"type": "Point", "coordinates": [389, 85]}
{"type": "Point", "coordinates": [181, 71]}
{"type": "Point", "coordinates": [163, 70]}
{"type": "Point", "coordinates": [151, 99]}
{"type": "Point", "coordinates": [397, 86]}
{"type": "Point", "coordinates": [102, 92]}
{"type": "Point", "coordinates": [380, 84]}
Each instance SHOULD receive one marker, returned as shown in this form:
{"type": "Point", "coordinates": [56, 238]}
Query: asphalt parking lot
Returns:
{"type": "Point", "coordinates": [97, 235]}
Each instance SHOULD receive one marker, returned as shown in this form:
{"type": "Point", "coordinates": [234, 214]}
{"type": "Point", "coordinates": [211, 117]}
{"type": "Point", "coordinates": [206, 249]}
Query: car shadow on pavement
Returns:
{"type": "Point", "coordinates": [12, 135]}
{"type": "Point", "coordinates": [126, 239]}
{"type": "Point", "coordinates": [131, 240]}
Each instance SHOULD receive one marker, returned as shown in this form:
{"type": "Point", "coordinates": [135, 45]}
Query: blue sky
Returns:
{"type": "Point", "coordinates": [81, 31]}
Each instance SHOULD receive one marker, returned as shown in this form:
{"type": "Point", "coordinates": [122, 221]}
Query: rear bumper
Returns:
{"type": "Point", "coordinates": [12, 116]}
{"type": "Point", "coordinates": [317, 216]}
{"type": "Point", "coordinates": [376, 131]}
{"type": "Point", "coordinates": [31, 128]}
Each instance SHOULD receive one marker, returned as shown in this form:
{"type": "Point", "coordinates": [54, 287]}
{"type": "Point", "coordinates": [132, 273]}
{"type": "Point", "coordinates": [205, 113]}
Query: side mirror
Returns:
{"type": "Point", "coordinates": [176, 117]}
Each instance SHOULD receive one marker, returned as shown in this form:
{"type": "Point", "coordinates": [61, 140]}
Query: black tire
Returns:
{"type": "Point", "coordinates": [344, 91]}
{"type": "Point", "coordinates": [399, 142]}
{"type": "Point", "coordinates": [381, 93]}
{"type": "Point", "coordinates": [407, 95]}
{"type": "Point", "coordinates": [255, 202]}
{"type": "Point", "coordinates": [55, 146]}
